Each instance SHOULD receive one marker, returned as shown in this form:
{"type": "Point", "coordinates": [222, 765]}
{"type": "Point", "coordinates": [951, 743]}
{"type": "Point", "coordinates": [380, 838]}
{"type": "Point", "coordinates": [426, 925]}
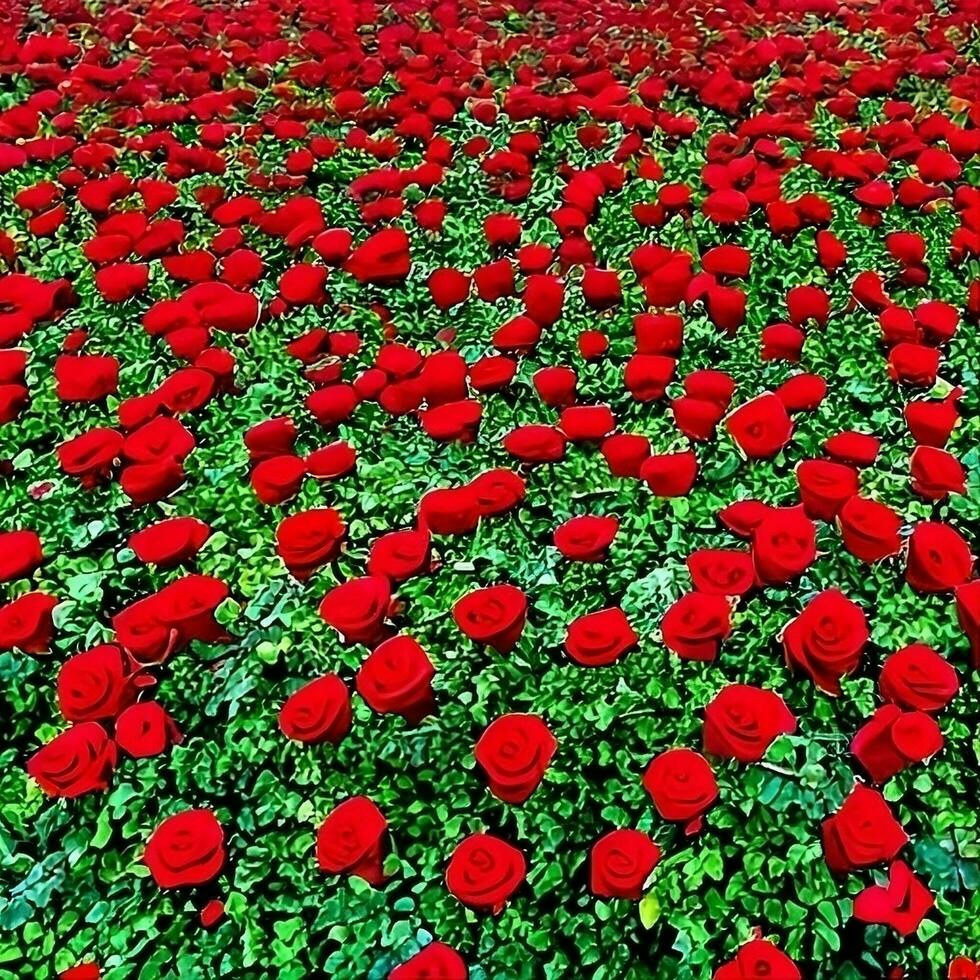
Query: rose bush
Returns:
{"type": "Point", "coordinates": [489, 489]}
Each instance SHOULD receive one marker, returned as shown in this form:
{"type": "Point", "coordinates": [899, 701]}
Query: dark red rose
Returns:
{"type": "Point", "coordinates": [278, 478]}
{"type": "Point", "coordinates": [586, 538]}
{"type": "Point", "coordinates": [484, 872]}
{"type": "Point", "coordinates": [892, 739]}
{"type": "Point", "coordinates": [25, 623]}
{"type": "Point", "coordinates": [869, 530]}
{"type": "Point", "coordinates": [826, 640]}
{"type": "Point", "coordinates": [696, 624]}
{"type": "Point", "coordinates": [145, 730]}
{"type": "Point", "coordinates": [448, 287]}
{"type": "Point", "coordinates": [721, 571]}
{"type": "Point", "coordinates": [186, 849]}
{"type": "Point", "coordinates": [620, 864]}
{"type": "Point", "coordinates": [352, 841]}
{"type": "Point", "coordinates": [437, 961]}
{"type": "Point", "coordinates": [825, 487]}
{"type": "Point", "coordinates": [95, 685]}
{"type": "Point", "coordinates": [79, 760]}
{"type": "Point", "coordinates": [396, 677]}
{"type": "Point", "coordinates": [670, 474]}
{"type": "Point", "coordinates": [862, 833]}
{"type": "Point", "coordinates": [901, 904]}
{"type": "Point", "coordinates": [741, 722]}
{"type": "Point", "coordinates": [784, 545]}
{"type": "Point", "coordinates": [599, 638]}
{"type": "Point", "coordinates": [939, 559]}
{"type": "Point", "coordinates": [761, 427]}
{"type": "Point", "coordinates": [357, 609]}
{"type": "Point", "coordinates": [682, 786]}
{"type": "Point", "coordinates": [20, 554]}
{"type": "Point", "coordinates": [756, 960]}
{"type": "Point", "coordinates": [170, 542]}
{"type": "Point", "coordinates": [310, 539]}
{"type": "Point", "coordinates": [514, 752]}
{"type": "Point", "coordinates": [493, 616]}
{"type": "Point", "coordinates": [918, 679]}
{"type": "Point", "coordinates": [319, 711]}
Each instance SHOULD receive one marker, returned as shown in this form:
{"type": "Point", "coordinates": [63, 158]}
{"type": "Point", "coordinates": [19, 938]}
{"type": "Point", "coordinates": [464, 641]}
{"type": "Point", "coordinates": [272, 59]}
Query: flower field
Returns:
{"type": "Point", "coordinates": [490, 490]}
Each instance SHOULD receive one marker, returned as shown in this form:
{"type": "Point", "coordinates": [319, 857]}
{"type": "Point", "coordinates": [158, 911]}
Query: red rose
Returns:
{"type": "Point", "coordinates": [901, 904]}
{"type": "Point", "coordinates": [682, 786]}
{"type": "Point", "coordinates": [892, 739]}
{"type": "Point", "coordinates": [670, 474]}
{"type": "Point", "coordinates": [784, 545]}
{"type": "Point", "coordinates": [586, 538]}
{"type": "Point", "coordinates": [620, 864]}
{"type": "Point", "coordinates": [696, 624]}
{"type": "Point", "coordinates": [869, 530]}
{"type": "Point", "coordinates": [170, 542]}
{"type": "Point", "coordinates": [625, 453]}
{"type": "Point", "coordinates": [761, 427]}
{"type": "Point", "coordinates": [95, 685]}
{"type": "Point", "coordinates": [351, 841]}
{"type": "Point", "coordinates": [825, 487]}
{"type": "Point", "coordinates": [448, 287]}
{"type": "Point", "coordinates": [484, 872]}
{"type": "Point", "coordinates": [396, 677]}
{"type": "Point", "coordinates": [535, 444]}
{"type": "Point", "coordinates": [493, 616]}
{"type": "Point", "coordinates": [186, 849]}
{"type": "Point", "coordinates": [863, 832]}
{"type": "Point", "coordinates": [514, 752]}
{"type": "Point", "coordinates": [79, 760]}
{"type": "Point", "coordinates": [647, 375]}
{"type": "Point", "coordinates": [357, 609]}
{"type": "Point", "coordinates": [273, 437]}
{"type": "Point", "coordinates": [85, 377]}
{"type": "Point", "coordinates": [145, 730]}
{"type": "Point", "coordinates": [437, 961]}
{"type": "Point", "coordinates": [450, 510]}
{"type": "Point", "coordinates": [721, 571]}
{"type": "Point", "coordinates": [918, 679]}
{"type": "Point", "coordinates": [741, 722]}
{"type": "Point", "coordinates": [939, 559]}
{"type": "Point", "coordinates": [85, 971]}
{"type": "Point", "coordinates": [757, 959]}
{"type": "Point", "coordinates": [278, 478]}
{"type": "Point", "coordinates": [307, 540]}
{"type": "Point", "coordinates": [382, 259]}
{"type": "Point", "coordinates": [936, 473]}
{"type": "Point", "coordinates": [931, 423]}
{"type": "Point", "coordinates": [399, 555]}
{"type": "Point", "coordinates": [91, 455]}
{"type": "Point", "coordinates": [319, 711]}
{"type": "Point", "coordinates": [856, 448]}
{"type": "Point", "coordinates": [25, 623]}
{"type": "Point", "coordinates": [826, 640]}
{"type": "Point", "coordinates": [20, 554]}
{"type": "Point", "coordinates": [968, 612]}
{"type": "Point", "coordinates": [599, 638]}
